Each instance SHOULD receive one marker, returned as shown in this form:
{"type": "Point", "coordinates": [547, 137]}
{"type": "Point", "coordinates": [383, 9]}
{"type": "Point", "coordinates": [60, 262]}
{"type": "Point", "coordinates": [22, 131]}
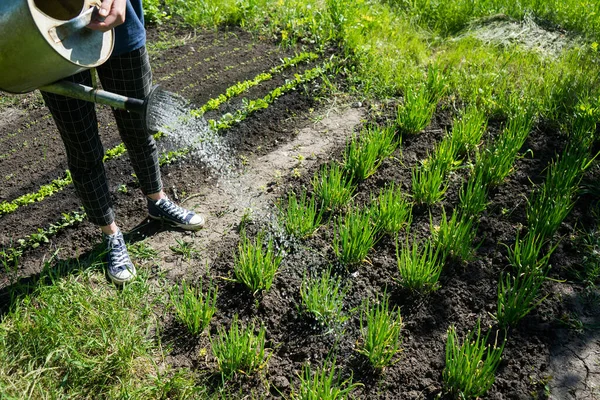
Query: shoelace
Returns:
{"type": "Point", "coordinates": [174, 210]}
{"type": "Point", "coordinates": [118, 255]}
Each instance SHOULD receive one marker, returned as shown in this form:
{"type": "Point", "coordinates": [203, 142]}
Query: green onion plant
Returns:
{"type": "Point", "coordinates": [302, 215]}
{"type": "Point", "coordinates": [256, 265]}
{"type": "Point", "coordinates": [471, 367]}
{"type": "Point", "coordinates": [333, 188]}
{"type": "Point", "coordinates": [517, 297]}
{"type": "Point", "coordinates": [416, 112]}
{"type": "Point", "coordinates": [323, 384]}
{"type": "Point", "coordinates": [429, 182]}
{"type": "Point", "coordinates": [323, 298]}
{"type": "Point", "coordinates": [391, 210]}
{"type": "Point", "coordinates": [468, 129]}
{"type": "Point", "coordinates": [365, 153]}
{"type": "Point", "coordinates": [355, 234]}
{"type": "Point", "coordinates": [454, 237]}
{"type": "Point", "coordinates": [380, 330]}
{"type": "Point", "coordinates": [240, 350]}
{"type": "Point", "coordinates": [419, 265]}
{"type": "Point", "coordinates": [193, 307]}
{"type": "Point", "coordinates": [473, 195]}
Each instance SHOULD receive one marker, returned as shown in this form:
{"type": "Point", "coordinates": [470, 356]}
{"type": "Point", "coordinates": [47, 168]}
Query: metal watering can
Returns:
{"type": "Point", "coordinates": [44, 41]}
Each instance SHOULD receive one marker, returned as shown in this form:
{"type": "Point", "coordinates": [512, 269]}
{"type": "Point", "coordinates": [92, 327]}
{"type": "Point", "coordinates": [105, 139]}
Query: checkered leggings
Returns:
{"type": "Point", "coordinates": [128, 75]}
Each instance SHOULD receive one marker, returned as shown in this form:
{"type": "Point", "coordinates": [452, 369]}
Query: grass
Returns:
{"type": "Point", "coordinates": [255, 266]}
{"type": "Point", "coordinates": [517, 296]}
{"type": "Point", "coordinates": [302, 215]}
{"type": "Point", "coordinates": [325, 383]}
{"type": "Point", "coordinates": [194, 308]}
{"type": "Point", "coordinates": [323, 298]}
{"type": "Point", "coordinates": [332, 187]}
{"type": "Point", "coordinates": [470, 366]}
{"type": "Point", "coordinates": [184, 249]}
{"type": "Point", "coordinates": [355, 234]}
{"type": "Point", "coordinates": [380, 332]}
{"type": "Point", "coordinates": [239, 349]}
{"type": "Point", "coordinates": [391, 210]}
{"type": "Point", "coordinates": [419, 265]}
{"type": "Point", "coordinates": [75, 337]}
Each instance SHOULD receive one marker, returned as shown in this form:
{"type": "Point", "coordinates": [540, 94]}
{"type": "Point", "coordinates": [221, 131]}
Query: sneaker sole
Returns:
{"type": "Point", "coordinates": [182, 226]}
{"type": "Point", "coordinates": [118, 281]}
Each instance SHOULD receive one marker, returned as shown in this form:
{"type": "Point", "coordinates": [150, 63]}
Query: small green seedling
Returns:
{"type": "Point", "coordinates": [256, 265]}
{"type": "Point", "coordinates": [193, 307]}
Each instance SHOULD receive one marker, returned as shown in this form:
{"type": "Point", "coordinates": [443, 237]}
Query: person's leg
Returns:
{"type": "Point", "coordinates": [130, 75]}
{"type": "Point", "coordinates": [78, 126]}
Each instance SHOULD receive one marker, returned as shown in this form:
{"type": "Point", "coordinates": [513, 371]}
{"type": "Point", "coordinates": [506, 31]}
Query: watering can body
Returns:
{"type": "Point", "coordinates": [42, 41]}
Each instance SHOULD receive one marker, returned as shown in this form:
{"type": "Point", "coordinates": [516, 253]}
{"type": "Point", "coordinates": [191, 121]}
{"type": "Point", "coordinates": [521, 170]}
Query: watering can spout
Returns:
{"type": "Point", "coordinates": [86, 93]}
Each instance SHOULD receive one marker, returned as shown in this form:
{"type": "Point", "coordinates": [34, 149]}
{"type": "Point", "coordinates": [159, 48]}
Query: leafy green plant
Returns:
{"type": "Point", "coordinates": [355, 235]}
{"type": "Point", "coordinates": [471, 367]}
{"type": "Point", "coordinates": [332, 187]}
{"type": "Point", "coordinates": [323, 384]}
{"type": "Point", "coordinates": [380, 331]}
{"type": "Point", "coordinates": [256, 266]}
{"type": "Point", "coordinates": [391, 210]}
{"type": "Point", "coordinates": [454, 237]}
{"type": "Point", "coordinates": [184, 249]}
{"type": "Point", "coordinates": [7, 207]}
{"type": "Point", "coordinates": [193, 307]}
{"type": "Point", "coordinates": [517, 297]}
{"type": "Point", "coordinates": [365, 153]}
{"type": "Point", "coordinates": [323, 298]}
{"type": "Point", "coordinates": [240, 350]}
{"type": "Point", "coordinates": [419, 265]}
{"type": "Point", "coordinates": [302, 216]}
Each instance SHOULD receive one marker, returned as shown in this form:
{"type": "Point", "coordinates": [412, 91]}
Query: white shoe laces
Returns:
{"type": "Point", "coordinates": [174, 210]}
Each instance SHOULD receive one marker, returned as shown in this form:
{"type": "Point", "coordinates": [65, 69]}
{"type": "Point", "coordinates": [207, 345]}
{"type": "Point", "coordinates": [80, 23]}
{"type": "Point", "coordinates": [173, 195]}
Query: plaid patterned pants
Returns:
{"type": "Point", "coordinates": [128, 75]}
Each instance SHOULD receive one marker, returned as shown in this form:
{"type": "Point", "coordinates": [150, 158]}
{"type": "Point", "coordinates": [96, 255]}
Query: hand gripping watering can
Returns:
{"type": "Point", "coordinates": [44, 41]}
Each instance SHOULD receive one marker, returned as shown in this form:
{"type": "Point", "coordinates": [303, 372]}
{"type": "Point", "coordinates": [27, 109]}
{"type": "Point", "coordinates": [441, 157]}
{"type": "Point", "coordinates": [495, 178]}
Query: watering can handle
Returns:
{"type": "Point", "coordinates": [62, 31]}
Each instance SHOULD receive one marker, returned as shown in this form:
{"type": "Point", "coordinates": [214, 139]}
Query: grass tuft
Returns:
{"type": "Point", "coordinates": [517, 297]}
{"type": "Point", "coordinates": [454, 237]}
{"type": "Point", "coordinates": [365, 153]}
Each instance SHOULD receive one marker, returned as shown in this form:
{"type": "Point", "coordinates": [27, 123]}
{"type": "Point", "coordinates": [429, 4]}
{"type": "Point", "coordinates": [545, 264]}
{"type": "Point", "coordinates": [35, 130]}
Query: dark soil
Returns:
{"type": "Point", "coordinates": [203, 68]}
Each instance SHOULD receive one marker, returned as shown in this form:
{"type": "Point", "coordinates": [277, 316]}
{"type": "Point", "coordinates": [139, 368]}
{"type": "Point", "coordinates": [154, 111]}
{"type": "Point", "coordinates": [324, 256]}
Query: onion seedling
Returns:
{"type": "Point", "coordinates": [194, 308]}
{"type": "Point", "coordinates": [254, 265]}
{"type": "Point", "coordinates": [419, 265]}
{"type": "Point", "coordinates": [355, 235]}
{"type": "Point", "coordinates": [323, 298]}
{"type": "Point", "coordinates": [302, 216]}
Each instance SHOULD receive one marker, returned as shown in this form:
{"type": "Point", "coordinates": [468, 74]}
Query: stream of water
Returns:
{"type": "Point", "coordinates": [170, 113]}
